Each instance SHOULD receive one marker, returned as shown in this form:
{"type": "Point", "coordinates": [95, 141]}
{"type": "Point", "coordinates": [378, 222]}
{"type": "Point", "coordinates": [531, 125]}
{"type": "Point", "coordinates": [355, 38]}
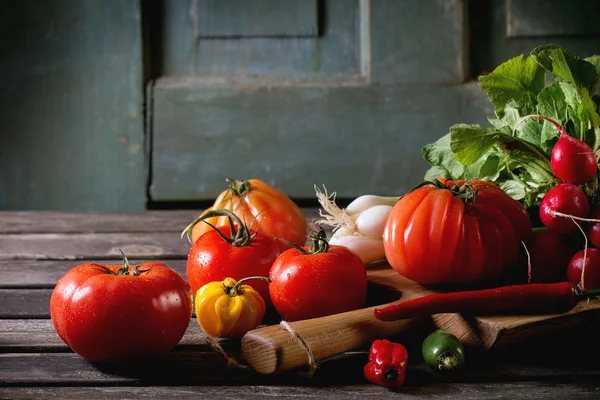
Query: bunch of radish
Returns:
{"type": "Point", "coordinates": [565, 209]}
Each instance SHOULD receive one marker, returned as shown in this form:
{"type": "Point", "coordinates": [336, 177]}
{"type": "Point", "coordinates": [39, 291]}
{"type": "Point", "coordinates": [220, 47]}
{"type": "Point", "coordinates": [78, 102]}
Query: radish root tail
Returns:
{"type": "Point", "coordinates": [528, 262]}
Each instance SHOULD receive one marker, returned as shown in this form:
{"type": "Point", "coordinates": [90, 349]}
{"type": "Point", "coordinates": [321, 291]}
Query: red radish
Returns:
{"type": "Point", "coordinates": [549, 255]}
{"type": "Point", "coordinates": [573, 161]}
{"type": "Point", "coordinates": [566, 199]}
{"type": "Point", "coordinates": [593, 232]}
{"type": "Point", "coordinates": [591, 279]}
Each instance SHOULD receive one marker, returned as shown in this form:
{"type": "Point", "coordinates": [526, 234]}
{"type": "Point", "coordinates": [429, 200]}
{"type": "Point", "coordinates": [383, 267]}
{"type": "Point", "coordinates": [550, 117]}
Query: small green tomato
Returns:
{"type": "Point", "coordinates": [442, 351]}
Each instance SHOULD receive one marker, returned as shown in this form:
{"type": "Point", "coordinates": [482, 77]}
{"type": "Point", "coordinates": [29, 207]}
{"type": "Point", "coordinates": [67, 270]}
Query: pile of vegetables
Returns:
{"type": "Point", "coordinates": [515, 151]}
{"type": "Point", "coordinates": [542, 150]}
{"type": "Point", "coordinates": [468, 223]}
{"type": "Point", "coordinates": [252, 239]}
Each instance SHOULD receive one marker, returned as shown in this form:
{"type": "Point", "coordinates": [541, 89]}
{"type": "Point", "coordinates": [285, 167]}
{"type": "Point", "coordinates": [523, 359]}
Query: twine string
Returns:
{"type": "Point", "coordinates": [231, 362]}
{"type": "Point", "coordinates": [312, 363]}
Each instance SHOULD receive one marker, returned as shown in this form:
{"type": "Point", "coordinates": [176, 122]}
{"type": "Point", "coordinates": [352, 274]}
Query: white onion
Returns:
{"type": "Point", "coordinates": [368, 249]}
{"type": "Point", "coordinates": [370, 223]}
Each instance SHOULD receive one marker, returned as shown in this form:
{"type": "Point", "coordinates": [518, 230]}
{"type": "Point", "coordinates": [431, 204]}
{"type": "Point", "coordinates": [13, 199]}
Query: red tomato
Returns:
{"type": "Point", "coordinates": [309, 285]}
{"type": "Point", "coordinates": [213, 258]}
{"type": "Point", "coordinates": [442, 233]}
{"type": "Point", "coordinates": [115, 312]}
{"type": "Point", "coordinates": [275, 213]}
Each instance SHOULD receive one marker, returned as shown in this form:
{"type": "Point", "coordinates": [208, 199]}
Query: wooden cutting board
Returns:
{"type": "Point", "coordinates": [274, 349]}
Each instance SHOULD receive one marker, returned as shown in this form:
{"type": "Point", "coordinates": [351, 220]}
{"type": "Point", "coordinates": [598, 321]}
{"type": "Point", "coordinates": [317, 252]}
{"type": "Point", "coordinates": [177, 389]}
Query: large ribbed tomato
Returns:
{"type": "Point", "coordinates": [448, 232]}
{"type": "Point", "coordinates": [275, 213]}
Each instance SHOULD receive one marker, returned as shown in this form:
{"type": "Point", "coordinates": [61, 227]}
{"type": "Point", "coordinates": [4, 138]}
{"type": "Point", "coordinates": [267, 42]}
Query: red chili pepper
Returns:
{"type": "Point", "coordinates": [536, 297]}
{"type": "Point", "coordinates": [387, 363]}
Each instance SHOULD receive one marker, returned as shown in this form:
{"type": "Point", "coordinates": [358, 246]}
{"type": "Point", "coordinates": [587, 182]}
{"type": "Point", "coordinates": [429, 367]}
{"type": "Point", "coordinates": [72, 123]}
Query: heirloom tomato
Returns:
{"type": "Point", "coordinates": [447, 232]}
{"type": "Point", "coordinates": [317, 281]}
{"type": "Point", "coordinates": [231, 252]}
{"type": "Point", "coordinates": [253, 199]}
{"type": "Point", "coordinates": [121, 312]}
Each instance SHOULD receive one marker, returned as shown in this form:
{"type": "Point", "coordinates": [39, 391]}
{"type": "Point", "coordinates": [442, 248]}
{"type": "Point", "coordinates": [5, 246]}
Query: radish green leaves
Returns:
{"type": "Point", "coordinates": [514, 152]}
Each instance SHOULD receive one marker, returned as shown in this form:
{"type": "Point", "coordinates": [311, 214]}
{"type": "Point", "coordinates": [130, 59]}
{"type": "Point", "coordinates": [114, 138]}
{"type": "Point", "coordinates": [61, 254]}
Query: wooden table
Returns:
{"type": "Point", "coordinates": [37, 248]}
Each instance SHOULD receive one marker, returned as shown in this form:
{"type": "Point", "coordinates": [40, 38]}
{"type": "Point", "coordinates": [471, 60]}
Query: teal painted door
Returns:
{"type": "Point", "coordinates": [71, 106]}
{"type": "Point", "coordinates": [117, 104]}
{"type": "Point", "coordinates": [336, 92]}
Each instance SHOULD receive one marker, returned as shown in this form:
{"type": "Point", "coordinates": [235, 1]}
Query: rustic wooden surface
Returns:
{"type": "Point", "coordinates": [37, 248]}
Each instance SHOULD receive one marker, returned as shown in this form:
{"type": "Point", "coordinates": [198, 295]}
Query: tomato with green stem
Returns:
{"type": "Point", "coordinates": [317, 281]}
{"type": "Point", "coordinates": [253, 199]}
{"type": "Point", "coordinates": [121, 312]}
{"type": "Point", "coordinates": [455, 232]}
{"type": "Point", "coordinates": [236, 250]}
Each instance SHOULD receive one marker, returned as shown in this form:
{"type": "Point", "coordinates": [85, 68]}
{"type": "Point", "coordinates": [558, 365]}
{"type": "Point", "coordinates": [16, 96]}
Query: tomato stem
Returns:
{"type": "Point", "coordinates": [467, 192]}
{"type": "Point", "coordinates": [237, 288]}
{"type": "Point", "coordinates": [319, 242]}
{"type": "Point", "coordinates": [240, 236]}
{"type": "Point", "coordinates": [103, 268]}
{"type": "Point", "coordinates": [238, 188]}
{"type": "Point", "coordinates": [124, 269]}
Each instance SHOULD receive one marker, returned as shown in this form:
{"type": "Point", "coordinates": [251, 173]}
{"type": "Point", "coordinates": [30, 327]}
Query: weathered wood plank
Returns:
{"type": "Point", "coordinates": [25, 303]}
{"type": "Point", "coordinates": [45, 273]}
{"type": "Point", "coordinates": [69, 368]}
{"type": "Point", "coordinates": [512, 390]}
{"type": "Point", "coordinates": [201, 367]}
{"type": "Point", "coordinates": [96, 221]}
{"type": "Point", "coordinates": [67, 246]}
{"type": "Point", "coordinates": [71, 105]}
{"type": "Point", "coordinates": [104, 221]}
{"type": "Point", "coordinates": [38, 335]}
{"type": "Point", "coordinates": [356, 140]}
{"type": "Point", "coordinates": [256, 18]}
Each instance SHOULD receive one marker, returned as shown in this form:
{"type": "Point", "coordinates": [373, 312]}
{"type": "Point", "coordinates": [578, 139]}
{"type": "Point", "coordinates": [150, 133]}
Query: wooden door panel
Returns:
{"type": "Point", "coordinates": [256, 18]}
{"type": "Point", "coordinates": [361, 139]}
{"type": "Point", "coordinates": [71, 106]}
{"type": "Point", "coordinates": [346, 109]}
{"type": "Point", "coordinates": [416, 42]}
{"type": "Point", "coordinates": [187, 51]}
{"type": "Point", "coordinates": [551, 18]}
{"type": "Point", "coordinates": [501, 29]}
{"type": "Point", "coordinates": [350, 107]}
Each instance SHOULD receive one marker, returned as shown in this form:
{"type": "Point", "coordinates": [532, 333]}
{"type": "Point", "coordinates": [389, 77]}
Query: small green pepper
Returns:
{"type": "Point", "coordinates": [442, 351]}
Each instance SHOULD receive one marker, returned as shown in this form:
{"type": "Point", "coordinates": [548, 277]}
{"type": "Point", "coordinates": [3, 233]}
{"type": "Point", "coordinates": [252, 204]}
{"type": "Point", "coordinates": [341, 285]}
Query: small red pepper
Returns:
{"type": "Point", "coordinates": [387, 363]}
{"type": "Point", "coordinates": [535, 297]}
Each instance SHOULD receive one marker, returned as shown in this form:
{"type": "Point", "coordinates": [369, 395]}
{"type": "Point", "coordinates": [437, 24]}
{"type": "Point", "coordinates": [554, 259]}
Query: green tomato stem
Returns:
{"type": "Point", "coordinates": [235, 289]}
